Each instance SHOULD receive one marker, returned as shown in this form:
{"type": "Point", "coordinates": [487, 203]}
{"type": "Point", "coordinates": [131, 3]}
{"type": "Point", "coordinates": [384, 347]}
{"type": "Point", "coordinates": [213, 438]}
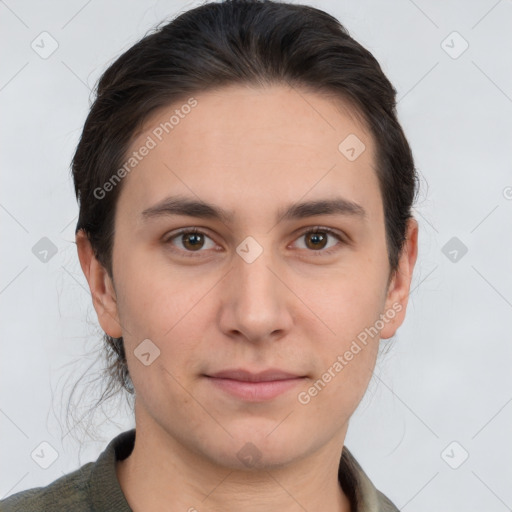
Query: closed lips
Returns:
{"type": "Point", "coordinates": [247, 376]}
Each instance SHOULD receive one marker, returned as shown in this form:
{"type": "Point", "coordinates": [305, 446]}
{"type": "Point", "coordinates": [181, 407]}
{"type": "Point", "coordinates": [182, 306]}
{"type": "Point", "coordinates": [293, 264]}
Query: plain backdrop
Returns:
{"type": "Point", "coordinates": [434, 430]}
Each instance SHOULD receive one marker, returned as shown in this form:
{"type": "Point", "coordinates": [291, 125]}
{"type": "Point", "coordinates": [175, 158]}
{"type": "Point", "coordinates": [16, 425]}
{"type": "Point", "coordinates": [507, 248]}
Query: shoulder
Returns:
{"type": "Point", "coordinates": [70, 492]}
{"type": "Point", "coordinates": [385, 504]}
{"type": "Point", "coordinates": [93, 486]}
{"type": "Point", "coordinates": [367, 498]}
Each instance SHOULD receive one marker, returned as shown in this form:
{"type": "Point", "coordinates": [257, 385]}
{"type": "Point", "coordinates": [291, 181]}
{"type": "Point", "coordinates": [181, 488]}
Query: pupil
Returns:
{"type": "Point", "coordinates": [315, 238]}
{"type": "Point", "coordinates": [193, 239]}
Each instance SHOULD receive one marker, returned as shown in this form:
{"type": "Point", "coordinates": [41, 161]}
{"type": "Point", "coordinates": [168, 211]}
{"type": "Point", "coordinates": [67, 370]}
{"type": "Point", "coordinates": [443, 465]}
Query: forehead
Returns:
{"type": "Point", "coordinates": [253, 144]}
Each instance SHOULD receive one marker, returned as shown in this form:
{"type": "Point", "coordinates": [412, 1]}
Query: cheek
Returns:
{"type": "Point", "coordinates": [171, 311]}
{"type": "Point", "coordinates": [346, 359]}
{"type": "Point", "coordinates": [153, 299]}
{"type": "Point", "coordinates": [349, 308]}
{"type": "Point", "coordinates": [349, 300]}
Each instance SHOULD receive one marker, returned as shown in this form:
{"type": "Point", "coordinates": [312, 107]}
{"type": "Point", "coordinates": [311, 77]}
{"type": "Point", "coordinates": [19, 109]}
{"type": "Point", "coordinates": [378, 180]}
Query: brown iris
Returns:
{"type": "Point", "coordinates": [318, 240]}
{"type": "Point", "coordinates": [196, 240]}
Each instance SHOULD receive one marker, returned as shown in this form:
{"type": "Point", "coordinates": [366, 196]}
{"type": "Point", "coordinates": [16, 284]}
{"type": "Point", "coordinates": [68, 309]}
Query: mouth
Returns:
{"type": "Point", "coordinates": [254, 386]}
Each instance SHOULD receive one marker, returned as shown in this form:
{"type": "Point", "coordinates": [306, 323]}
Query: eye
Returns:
{"type": "Point", "coordinates": [317, 240]}
{"type": "Point", "coordinates": [190, 240]}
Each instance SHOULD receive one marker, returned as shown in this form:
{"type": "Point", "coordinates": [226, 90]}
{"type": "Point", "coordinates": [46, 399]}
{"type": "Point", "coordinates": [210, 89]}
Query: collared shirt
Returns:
{"type": "Point", "coordinates": [94, 487]}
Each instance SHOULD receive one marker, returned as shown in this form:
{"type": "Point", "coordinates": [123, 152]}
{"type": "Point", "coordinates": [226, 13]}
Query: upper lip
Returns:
{"type": "Point", "coordinates": [263, 376]}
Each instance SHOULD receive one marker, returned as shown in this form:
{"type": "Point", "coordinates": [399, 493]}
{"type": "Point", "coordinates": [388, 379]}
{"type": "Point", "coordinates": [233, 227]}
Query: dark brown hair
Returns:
{"type": "Point", "coordinates": [235, 42]}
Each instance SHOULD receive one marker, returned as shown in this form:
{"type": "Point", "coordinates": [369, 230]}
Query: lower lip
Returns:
{"type": "Point", "coordinates": [255, 391]}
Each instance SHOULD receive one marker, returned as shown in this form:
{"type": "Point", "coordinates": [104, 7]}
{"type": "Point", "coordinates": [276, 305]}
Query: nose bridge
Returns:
{"type": "Point", "coordinates": [255, 278]}
{"type": "Point", "coordinates": [256, 297]}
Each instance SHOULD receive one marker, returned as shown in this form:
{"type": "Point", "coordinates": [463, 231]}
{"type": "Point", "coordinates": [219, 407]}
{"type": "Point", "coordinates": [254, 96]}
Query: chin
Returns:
{"type": "Point", "coordinates": [256, 448]}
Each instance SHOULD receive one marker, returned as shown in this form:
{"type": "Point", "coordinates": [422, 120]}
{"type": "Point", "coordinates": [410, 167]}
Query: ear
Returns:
{"type": "Point", "coordinates": [399, 288]}
{"type": "Point", "coordinates": [101, 286]}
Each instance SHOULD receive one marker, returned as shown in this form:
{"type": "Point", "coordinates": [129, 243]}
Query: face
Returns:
{"type": "Point", "coordinates": [286, 270]}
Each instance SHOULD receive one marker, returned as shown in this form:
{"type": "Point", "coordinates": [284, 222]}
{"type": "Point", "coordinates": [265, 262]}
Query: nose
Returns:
{"type": "Point", "coordinates": [255, 300]}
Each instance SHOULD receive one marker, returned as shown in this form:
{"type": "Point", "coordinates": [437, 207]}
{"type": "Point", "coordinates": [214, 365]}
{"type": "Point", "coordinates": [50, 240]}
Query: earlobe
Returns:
{"type": "Point", "coordinates": [400, 286]}
{"type": "Point", "coordinates": [100, 284]}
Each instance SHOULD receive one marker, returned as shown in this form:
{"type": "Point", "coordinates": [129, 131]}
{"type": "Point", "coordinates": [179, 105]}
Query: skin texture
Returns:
{"type": "Point", "coordinates": [253, 151]}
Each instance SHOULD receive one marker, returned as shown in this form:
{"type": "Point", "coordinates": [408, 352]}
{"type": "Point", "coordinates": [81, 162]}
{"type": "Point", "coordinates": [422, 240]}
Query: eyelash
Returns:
{"type": "Point", "coordinates": [313, 230]}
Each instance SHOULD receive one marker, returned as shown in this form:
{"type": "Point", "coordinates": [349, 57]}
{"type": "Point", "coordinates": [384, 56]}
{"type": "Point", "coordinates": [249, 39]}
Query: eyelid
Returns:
{"type": "Point", "coordinates": [324, 229]}
{"type": "Point", "coordinates": [190, 229]}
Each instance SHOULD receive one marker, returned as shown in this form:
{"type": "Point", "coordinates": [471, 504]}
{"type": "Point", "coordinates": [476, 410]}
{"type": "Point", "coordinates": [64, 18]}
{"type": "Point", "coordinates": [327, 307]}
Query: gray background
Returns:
{"type": "Point", "coordinates": [447, 377]}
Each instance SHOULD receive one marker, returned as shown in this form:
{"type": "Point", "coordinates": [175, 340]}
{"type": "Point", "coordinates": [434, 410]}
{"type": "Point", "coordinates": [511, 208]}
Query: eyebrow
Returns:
{"type": "Point", "coordinates": [179, 205]}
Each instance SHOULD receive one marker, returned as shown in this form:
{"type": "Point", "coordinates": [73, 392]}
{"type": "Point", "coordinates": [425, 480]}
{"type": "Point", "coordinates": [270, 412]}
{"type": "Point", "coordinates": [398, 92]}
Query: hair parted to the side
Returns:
{"type": "Point", "coordinates": [235, 42]}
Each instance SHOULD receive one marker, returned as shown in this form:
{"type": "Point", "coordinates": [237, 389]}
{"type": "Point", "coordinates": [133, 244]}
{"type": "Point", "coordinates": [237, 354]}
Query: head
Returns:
{"type": "Point", "coordinates": [273, 134]}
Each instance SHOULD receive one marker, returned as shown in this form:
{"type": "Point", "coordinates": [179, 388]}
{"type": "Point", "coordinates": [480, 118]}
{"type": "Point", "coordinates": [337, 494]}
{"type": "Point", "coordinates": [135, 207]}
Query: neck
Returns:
{"type": "Point", "coordinates": [162, 474]}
